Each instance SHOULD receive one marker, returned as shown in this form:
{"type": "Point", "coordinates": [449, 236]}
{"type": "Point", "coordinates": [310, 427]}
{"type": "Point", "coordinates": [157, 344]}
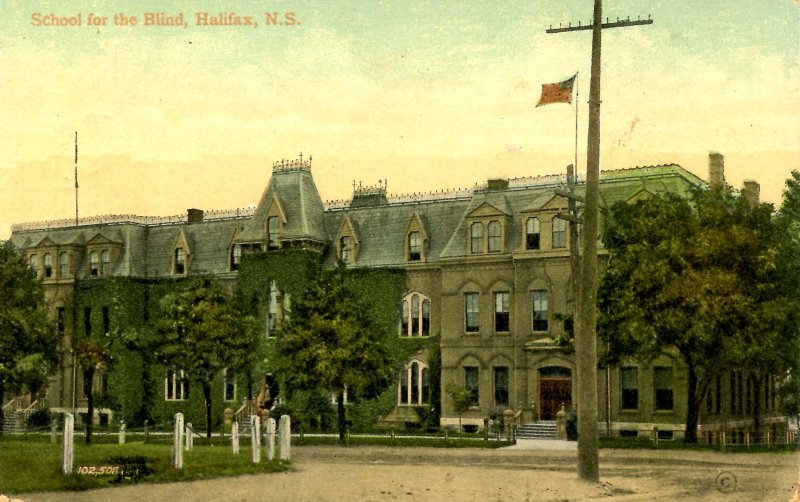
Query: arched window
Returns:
{"type": "Point", "coordinates": [48, 265]}
{"type": "Point", "coordinates": [344, 248]}
{"type": "Point", "coordinates": [33, 265]}
{"type": "Point", "coordinates": [236, 256]}
{"type": "Point", "coordinates": [494, 237]}
{"type": "Point", "coordinates": [272, 233]}
{"type": "Point", "coordinates": [559, 232]}
{"type": "Point", "coordinates": [532, 233]}
{"type": "Point", "coordinates": [414, 247]}
{"type": "Point", "coordinates": [105, 262]}
{"type": "Point", "coordinates": [476, 238]}
{"type": "Point", "coordinates": [94, 264]}
{"type": "Point", "coordinates": [180, 261]}
{"type": "Point", "coordinates": [415, 315]}
{"type": "Point", "coordinates": [63, 264]}
{"type": "Point", "coordinates": [413, 387]}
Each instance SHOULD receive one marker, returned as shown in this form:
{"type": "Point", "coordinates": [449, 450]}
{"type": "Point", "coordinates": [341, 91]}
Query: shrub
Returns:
{"type": "Point", "coordinates": [39, 418]}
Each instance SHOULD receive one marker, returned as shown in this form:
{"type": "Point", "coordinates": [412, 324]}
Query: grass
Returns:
{"type": "Point", "coordinates": [34, 464]}
{"type": "Point", "coordinates": [641, 443]}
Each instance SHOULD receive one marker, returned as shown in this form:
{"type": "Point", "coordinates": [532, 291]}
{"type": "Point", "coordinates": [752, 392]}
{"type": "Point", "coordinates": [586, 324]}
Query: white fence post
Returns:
{"type": "Point", "coordinates": [67, 452]}
{"type": "Point", "coordinates": [177, 442]}
{"type": "Point", "coordinates": [255, 437]}
{"type": "Point", "coordinates": [270, 439]}
{"type": "Point", "coordinates": [235, 438]}
{"type": "Point", "coordinates": [189, 436]}
{"type": "Point", "coordinates": [285, 433]}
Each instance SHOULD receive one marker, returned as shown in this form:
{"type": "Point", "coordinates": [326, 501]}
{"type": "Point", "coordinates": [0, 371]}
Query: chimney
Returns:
{"type": "Point", "coordinates": [716, 169]}
{"type": "Point", "coordinates": [195, 215]}
{"type": "Point", "coordinates": [751, 192]}
{"type": "Point", "coordinates": [495, 184]}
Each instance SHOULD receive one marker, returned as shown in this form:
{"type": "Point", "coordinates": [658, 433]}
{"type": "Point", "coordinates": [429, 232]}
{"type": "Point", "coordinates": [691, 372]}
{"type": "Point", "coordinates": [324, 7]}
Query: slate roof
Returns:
{"type": "Point", "coordinates": [147, 249]}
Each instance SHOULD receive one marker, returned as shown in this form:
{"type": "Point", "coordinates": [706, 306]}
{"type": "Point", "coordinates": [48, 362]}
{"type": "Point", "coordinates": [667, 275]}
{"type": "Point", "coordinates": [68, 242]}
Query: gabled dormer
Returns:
{"type": "Point", "coordinates": [415, 240]}
{"type": "Point", "coordinates": [102, 254]}
{"type": "Point", "coordinates": [347, 242]}
{"type": "Point", "coordinates": [542, 225]}
{"type": "Point", "coordinates": [487, 228]}
{"type": "Point", "coordinates": [642, 194]}
{"type": "Point", "coordinates": [274, 222]}
{"type": "Point", "coordinates": [181, 254]}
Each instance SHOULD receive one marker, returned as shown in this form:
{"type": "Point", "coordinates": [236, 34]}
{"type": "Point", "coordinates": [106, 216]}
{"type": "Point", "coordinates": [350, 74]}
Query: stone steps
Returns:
{"type": "Point", "coordinates": [544, 429]}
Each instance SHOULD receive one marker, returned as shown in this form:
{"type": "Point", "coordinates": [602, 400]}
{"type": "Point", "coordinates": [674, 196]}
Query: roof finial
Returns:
{"type": "Point", "coordinates": [301, 157]}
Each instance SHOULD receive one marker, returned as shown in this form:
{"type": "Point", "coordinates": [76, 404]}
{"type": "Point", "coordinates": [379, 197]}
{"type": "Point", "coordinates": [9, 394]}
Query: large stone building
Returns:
{"type": "Point", "coordinates": [487, 278]}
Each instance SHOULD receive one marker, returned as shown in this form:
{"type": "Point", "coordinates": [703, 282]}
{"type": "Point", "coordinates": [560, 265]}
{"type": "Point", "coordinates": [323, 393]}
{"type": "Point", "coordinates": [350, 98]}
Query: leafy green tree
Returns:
{"type": "Point", "coordinates": [332, 343]}
{"type": "Point", "coordinates": [202, 334]}
{"type": "Point", "coordinates": [92, 354]}
{"type": "Point", "coordinates": [697, 278]}
{"type": "Point", "coordinates": [461, 398]}
{"type": "Point", "coordinates": [28, 344]}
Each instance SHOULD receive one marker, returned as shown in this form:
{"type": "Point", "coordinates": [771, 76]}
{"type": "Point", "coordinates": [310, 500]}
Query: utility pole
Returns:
{"type": "Point", "coordinates": [586, 321]}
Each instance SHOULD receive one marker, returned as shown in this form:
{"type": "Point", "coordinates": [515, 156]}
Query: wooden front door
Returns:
{"type": "Point", "coordinates": [553, 393]}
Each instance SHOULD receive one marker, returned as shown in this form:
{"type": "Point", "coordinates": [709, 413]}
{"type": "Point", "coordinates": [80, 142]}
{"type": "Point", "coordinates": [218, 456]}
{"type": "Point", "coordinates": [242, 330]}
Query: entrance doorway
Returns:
{"type": "Point", "coordinates": [555, 390]}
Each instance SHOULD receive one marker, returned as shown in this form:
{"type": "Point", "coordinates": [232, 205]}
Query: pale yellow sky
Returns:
{"type": "Point", "coordinates": [428, 95]}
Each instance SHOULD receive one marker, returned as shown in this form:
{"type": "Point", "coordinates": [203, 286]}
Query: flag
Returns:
{"type": "Point", "coordinates": [560, 92]}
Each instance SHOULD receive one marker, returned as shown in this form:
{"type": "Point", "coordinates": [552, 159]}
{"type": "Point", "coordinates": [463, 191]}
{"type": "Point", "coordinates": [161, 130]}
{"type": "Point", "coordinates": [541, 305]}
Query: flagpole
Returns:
{"type": "Point", "coordinates": [76, 178]}
{"type": "Point", "coordinates": [577, 94]}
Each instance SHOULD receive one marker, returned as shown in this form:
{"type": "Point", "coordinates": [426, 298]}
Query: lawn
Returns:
{"type": "Point", "coordinates": [34, 464]}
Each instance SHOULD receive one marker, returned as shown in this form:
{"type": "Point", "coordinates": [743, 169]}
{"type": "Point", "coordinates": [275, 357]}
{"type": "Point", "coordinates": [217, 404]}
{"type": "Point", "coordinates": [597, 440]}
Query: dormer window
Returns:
{"type": "Point", "coordinates": [532, 236]}
{"type": "Point", "coordinates": [63, 264]}
{"type": "Point", "coordinates": [180, 261]}
{"type": "Point", "coordinates": [94, 264]}
{"type": "Point", "coordinates": [236, 256]}
{"type": "Point", "coordinates": [559, 232]}
{"type": "Point", "coordinates": [476, 238]}
{"type": "Point", "coordinates": [414, 247]}
{"type": "Point", "coordinates": [48, 265]}
{"type": "Point", "coordinates": [494, 237]}
{"type": "Point", "coordinates": [272, 233]}
{"type": "Point", "coordinates": [105, 262]}
{"type": "Point", "coordinates": [344, 248]}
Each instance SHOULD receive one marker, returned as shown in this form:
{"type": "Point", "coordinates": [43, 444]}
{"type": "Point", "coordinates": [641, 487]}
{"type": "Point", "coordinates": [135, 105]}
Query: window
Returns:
{"type": "Point", "coordinates": [63, 264]}
{"type": "Point", "coordinates": [501, 317]}
{"type": "Point", "coordinates": [180, 261]}
{"type": "Point", "coordinates": [494, 237]}
{"type": "Point", "coordinates": [94, 264]}
{"type": "Point", "coordinates": [559, 232]}
{"type": "Point", "coordinates": [414, 247]}
{"type": "Point", "coordinates": [539, 301]}
{"type": "Point", "coordinates": [415, 317]}
{"type": "Point", "coordinates": [272, 233]}
{"type": "Point", "coordinates": [106, 321]}
{"type": "Point", "coordinates": [60, 321]}
{"type": "Point", "coordinates": [176, 386]}
{"type": "Point", "coordinates": [471, 312]}
{"type": "Point", "coordinates": [87, 321]}
{"type": "Point", "coordinates": [501, 386]}
{"type": "Point", "coordinates": [236, 256]}
{"type": "Point", "coordinates": [344, 248]}
{"type": "Point", "coordinates": [48, 265]}
{"type": "Point", "coordinates": [105, 262]}
{"type": "Point", "coordinates": [662, 385]}
{"type": "Point", "coordinates": [271, 321]}
{"type": "Point", "coordinates": [471, 384]}
{"type": "Point", "coordinates": [229, 385]}
{"type": "Point", "coordinates": [532, 233]}
{"type": "Point", "coordinates": [476, 238]}
{"type": "Point", "coordinates": [32, 263]}
{"type": "Point", "coordinates": [629, 383]}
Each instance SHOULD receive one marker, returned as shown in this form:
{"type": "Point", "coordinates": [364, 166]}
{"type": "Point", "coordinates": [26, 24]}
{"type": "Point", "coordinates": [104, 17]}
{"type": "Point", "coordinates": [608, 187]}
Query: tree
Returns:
{"type": "Point", "coordinates": [462, 400]}
{"type": "Point", "coordinates": [28, 344]}
{"type": "Point", "coordinates": [332, 343]}
{"type": "Point", "coordinates": [698, 278]}
{"type": "Point", "coordinates": [91, 354]}
{"type": "Point", "coordinates": [202, 334]}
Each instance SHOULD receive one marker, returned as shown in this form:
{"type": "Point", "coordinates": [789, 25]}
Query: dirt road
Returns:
{"type": "Point", "coordinates": [433, 474]}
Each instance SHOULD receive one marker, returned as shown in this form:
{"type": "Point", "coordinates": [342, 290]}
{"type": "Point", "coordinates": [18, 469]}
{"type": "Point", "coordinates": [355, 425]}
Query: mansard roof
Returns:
{"type": "Point", "coordinates": [293, 187]}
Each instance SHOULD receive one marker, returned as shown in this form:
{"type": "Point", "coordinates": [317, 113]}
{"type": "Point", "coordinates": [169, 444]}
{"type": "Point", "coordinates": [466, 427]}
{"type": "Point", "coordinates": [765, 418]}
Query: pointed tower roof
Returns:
{"type": "Point", "coordinates": [292, 193]}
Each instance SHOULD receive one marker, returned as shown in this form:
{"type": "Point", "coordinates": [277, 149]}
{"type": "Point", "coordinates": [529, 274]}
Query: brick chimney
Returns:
{"type": "Point", "coordinates": [195, 215]}
{"type": "Point", "coordinates": [751, 192]}
{"type": "Point", "coordinates": [716, 169]}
